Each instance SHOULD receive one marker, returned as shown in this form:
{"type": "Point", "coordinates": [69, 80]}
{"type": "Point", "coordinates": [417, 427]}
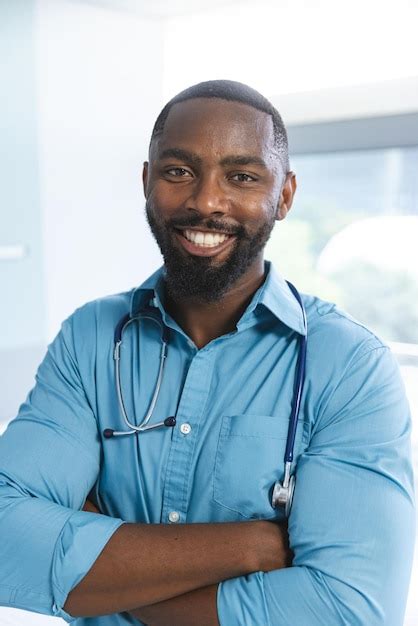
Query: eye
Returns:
{"type": "Point", "coordinates": [242, 177]}
{"type": "Point", "coordinates": [178, 172]}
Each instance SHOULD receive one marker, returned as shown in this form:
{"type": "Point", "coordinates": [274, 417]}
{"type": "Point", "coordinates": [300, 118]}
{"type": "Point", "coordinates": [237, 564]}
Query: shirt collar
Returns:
{"type": "Point", "coordinates": [274, 294]}
{"type": "Point", "coordinates": [151, 288]}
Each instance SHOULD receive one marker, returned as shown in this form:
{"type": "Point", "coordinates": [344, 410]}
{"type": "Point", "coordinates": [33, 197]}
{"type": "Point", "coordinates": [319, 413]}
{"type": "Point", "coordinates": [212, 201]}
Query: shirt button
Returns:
{"type": "Point", "coordinates": [185, 428]}
{"type": "Point", "coordinates": [173, 517]}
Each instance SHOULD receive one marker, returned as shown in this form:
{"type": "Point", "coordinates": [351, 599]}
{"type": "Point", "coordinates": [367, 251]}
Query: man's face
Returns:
{"type": "Point", "coordinates": [214, 169]}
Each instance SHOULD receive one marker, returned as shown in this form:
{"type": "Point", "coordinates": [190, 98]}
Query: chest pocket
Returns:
{"type": "Point", "coordinates": [249, 460]}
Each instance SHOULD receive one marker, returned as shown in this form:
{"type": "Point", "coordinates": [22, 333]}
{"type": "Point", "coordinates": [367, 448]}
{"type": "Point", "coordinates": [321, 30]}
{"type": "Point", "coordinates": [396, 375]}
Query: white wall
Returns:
{"type": "Point", "coordinates": [83, 85]}
{"type": "Point", "coordinates": [22, 309]}
{"type": "Point", "coordinates": [22, 296]}
{"type": "Point", "coordinates": [99, 90]}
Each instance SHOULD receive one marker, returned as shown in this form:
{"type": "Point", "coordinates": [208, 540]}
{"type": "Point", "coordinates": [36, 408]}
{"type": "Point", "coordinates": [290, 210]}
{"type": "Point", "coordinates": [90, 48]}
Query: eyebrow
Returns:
{"type": "Point", "coordinates": [243, 160]}
{"type": "Point", "coordinates": [192, 158]}
{"type": "Point", "coordinates": [181, 155]}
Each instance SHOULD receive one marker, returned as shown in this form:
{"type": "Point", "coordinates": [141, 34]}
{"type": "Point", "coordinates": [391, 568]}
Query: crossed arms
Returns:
{"type": "Point", "coordinates": [351, 529]}
{"type": "Point", "coordinates": [167, 575]}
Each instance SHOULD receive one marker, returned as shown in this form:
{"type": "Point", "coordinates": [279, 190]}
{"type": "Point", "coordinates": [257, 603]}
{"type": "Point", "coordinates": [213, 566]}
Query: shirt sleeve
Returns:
{"type": "Point", "coordinates": [352, 524]}
{"type": "Point", "coordinates": [49, 461]}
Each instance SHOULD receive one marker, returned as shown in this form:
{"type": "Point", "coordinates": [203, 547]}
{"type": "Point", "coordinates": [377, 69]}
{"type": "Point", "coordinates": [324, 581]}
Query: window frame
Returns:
{"type": "Point", "coordinates": [365, 133]}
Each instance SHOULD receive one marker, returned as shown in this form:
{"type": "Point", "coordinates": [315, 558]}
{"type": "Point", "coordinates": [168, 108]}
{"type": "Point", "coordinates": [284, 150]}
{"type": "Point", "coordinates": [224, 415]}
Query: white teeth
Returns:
{"type": "Point", "coordinates": [207, 240]}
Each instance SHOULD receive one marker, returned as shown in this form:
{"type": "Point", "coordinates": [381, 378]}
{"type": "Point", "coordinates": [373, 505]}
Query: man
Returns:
{"type": "Point", "coordinates": [180, 529]}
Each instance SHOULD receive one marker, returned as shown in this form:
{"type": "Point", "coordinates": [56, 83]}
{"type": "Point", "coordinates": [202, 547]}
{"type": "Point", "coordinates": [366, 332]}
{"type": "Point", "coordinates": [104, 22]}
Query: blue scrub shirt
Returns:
{"type": "Point", "coordinates": [352, 525]}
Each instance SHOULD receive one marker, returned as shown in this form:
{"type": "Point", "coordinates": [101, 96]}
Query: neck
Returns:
{"type": "Point", "coordinates": [203, 322]}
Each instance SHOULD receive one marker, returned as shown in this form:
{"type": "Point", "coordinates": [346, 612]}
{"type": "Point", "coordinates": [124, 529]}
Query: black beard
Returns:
{"type": "Point", "coordinates": [197, 277]}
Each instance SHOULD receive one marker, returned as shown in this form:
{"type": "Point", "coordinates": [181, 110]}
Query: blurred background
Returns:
{"type": "Point", "coordinates": [81, 83]}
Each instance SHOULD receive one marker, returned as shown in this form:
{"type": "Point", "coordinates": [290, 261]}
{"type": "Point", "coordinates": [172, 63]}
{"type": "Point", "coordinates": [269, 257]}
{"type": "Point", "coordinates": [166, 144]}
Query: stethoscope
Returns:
{"type": "Point", "coordinates": [282, 495]}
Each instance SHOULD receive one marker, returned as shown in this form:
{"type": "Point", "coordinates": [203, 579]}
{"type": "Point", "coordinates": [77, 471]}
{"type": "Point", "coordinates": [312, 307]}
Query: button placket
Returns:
{"type": "Point", "coordinates": [195, 392]}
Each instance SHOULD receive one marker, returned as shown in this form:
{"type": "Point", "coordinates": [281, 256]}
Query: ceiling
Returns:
{"type": "Point", "coordinates": [160, 8]}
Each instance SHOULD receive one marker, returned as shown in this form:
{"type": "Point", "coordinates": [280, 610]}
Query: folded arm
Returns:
{"type": "Point", "coordinates": [147, 563]}
{"type": "Point", "coordinates": [60, 560]}
{"type": "Point", "coordinates": [352, 524]}
{"type": "Point", "coordinates": [189, 609]}
{"type": "Point", "coordinates": [200, 606]}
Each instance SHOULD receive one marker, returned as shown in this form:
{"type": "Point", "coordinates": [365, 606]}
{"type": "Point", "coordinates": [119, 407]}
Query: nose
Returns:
{"type": "Point", "coordinates": [208, 196]}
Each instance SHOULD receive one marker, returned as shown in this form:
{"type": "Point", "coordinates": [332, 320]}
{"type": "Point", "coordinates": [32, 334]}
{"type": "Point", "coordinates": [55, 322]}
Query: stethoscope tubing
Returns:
{"type": "Point", "coordinates": [126, 320]}
{"type": "Point", "coordinates": [299, 382]}
{"type": "Point", "coordinates": [282, 492]}
{"type": "Point", "coordinates": [163, 356]}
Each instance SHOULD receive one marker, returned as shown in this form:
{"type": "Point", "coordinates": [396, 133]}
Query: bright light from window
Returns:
{"type": "Point", "coordinates": [292, 46]}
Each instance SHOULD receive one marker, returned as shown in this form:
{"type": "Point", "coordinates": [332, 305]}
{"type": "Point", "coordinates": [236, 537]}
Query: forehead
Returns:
{"type": "Point", "coordinates": [218, 127]}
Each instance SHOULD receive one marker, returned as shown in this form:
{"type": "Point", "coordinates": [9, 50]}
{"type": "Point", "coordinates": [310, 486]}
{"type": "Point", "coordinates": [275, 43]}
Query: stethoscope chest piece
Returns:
{"type": "Point", "coordinates": [283, 493]}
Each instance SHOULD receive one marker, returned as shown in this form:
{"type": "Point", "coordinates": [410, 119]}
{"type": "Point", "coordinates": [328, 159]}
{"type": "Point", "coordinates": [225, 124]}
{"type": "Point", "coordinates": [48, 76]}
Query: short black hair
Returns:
{"type": "Point", "coordinates": [234, 92]}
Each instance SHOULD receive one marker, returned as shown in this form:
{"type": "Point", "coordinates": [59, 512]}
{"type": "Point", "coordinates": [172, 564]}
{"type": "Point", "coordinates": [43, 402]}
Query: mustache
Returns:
{"type": "Point", "coordinates": [194, 221]}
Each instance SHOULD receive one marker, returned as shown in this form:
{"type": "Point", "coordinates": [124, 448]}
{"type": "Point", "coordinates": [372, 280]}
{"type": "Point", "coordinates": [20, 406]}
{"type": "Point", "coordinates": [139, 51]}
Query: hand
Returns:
{"type": "Point", "coordinates": [272, 547]}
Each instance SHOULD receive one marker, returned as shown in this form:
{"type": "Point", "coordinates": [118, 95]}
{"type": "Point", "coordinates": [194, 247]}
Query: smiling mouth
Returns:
{"type": "Point", "coordinates": [204, 243]}
{"type": "Point", "coordinates": [206, 239]}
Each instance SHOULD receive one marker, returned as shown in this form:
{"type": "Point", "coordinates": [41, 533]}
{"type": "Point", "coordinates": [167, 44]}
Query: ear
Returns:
{"type": "Point", "coordinates": [145, 177]}
{"type": "Point", "coordinates": [286, 195]}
